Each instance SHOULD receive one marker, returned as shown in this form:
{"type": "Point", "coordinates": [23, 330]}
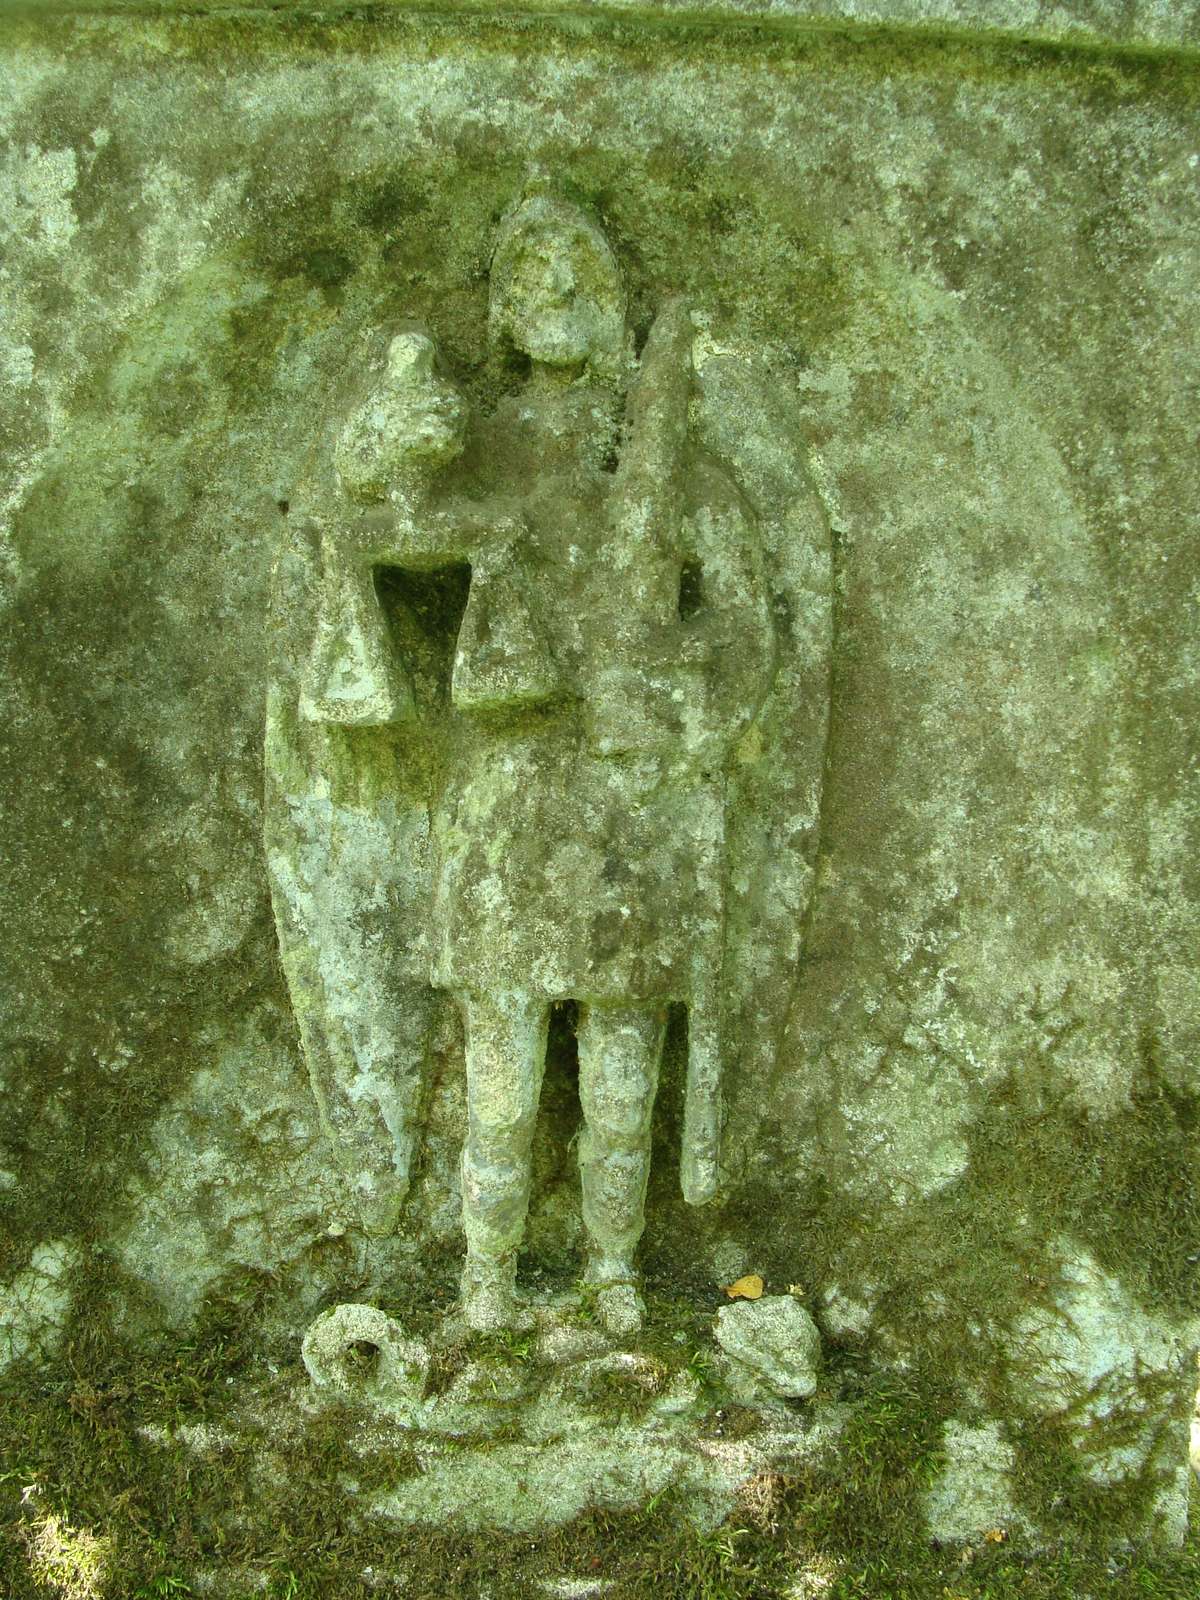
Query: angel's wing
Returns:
{"type": "Point", "coordinates": [346, 827]}
{"type": "Point", "coordinates": [743, 417]}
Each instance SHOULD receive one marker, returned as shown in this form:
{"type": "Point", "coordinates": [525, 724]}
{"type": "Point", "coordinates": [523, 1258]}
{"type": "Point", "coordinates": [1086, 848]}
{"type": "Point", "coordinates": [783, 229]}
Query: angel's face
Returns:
{"type": "Point", "coordinates": [558, 297]}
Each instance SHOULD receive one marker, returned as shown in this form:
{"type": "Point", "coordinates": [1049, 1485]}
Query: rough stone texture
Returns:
{"type": "Point", "coordinates": [352, 1347]}
{"type": "Point", "coordinates": [187, 1222]}
{"type": "Point", "coordinates": [34, 1305]}
{"type": "Point", "coordinates": [973, 1495]}
{"type": "Point", "coordinates": [1132, 22]}
{"type": "Point", "coordinates": [1111, 1374]}
{"type": "Point", "coordinates": [977, 262]}
{"type": "Point", "coordinates": [776, 1340]}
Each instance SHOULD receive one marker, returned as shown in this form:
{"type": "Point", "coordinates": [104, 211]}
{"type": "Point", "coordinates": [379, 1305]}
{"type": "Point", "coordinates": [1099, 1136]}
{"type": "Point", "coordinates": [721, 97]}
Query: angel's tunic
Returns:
{"type": "Point", "coordinates": [579, 837]}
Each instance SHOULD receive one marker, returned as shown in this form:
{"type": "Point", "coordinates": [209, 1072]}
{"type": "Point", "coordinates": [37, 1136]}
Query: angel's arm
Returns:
{"type": "Point", "coordinates": [437, 533]}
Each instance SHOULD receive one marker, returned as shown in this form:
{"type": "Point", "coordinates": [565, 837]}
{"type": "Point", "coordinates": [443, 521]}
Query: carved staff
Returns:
{"type": "Point", "coordinates": [648, 514]}
{"type": "Point", "coordinates": [648, 493]}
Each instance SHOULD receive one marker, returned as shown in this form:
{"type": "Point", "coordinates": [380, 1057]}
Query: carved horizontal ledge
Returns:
{"type": "Point", "coordinates": [1155, 27]}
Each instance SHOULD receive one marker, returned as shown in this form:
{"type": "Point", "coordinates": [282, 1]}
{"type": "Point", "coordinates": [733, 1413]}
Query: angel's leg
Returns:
{"type": "Point", "coordinates": [619, 1052]}
{"type": "Point", "coordinates": [506, 1056]}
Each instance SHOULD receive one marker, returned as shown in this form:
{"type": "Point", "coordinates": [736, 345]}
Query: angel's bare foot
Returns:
{"type": "Point", "coordinates": [622, 1309]}
{"type": "Point", "coordinates": [489, 1296]}
{"type": "Point", "coordinates": [618, 1300]}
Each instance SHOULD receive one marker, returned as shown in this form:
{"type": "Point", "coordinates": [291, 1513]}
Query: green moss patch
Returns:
{"type": "Point", "coordinates": [123, 1472]}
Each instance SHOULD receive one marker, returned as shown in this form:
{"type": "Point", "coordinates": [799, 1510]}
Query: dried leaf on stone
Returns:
{"type": "Point", "coordinates": [748, 1288]}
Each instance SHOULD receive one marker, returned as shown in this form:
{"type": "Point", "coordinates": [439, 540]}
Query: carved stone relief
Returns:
{"type": "Point", "coordinates": [532, 669]}
{"type": "Point", "coordinates": [522, 503]}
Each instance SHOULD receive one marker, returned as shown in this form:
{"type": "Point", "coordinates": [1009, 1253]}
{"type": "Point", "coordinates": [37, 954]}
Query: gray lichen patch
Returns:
{"type": "Point", "coordinates": [973, 1495]}
{"type": "Point", "coordinates": [772, 1341]}
{"type": "Point", "coordinates": [1115, 1380]}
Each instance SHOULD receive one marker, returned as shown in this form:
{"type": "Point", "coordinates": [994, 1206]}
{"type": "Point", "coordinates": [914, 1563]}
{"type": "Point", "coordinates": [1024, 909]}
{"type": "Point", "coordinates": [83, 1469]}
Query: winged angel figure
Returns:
{"type": "Point", "coordinates": [578, 758]}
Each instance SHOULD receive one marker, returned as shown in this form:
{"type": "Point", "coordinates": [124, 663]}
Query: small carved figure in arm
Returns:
{"type": "Point", "coordinates": [386, 457]}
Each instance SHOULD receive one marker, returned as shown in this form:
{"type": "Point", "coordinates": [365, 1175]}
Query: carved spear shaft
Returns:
{"type": "Point", "coordinates": [648, 493]}
{"type": "Point", "coordinates": [649, 510]}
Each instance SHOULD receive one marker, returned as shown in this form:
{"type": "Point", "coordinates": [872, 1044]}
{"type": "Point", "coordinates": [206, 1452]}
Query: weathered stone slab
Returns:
{"type": "Point", "coordinates": [847, 524]}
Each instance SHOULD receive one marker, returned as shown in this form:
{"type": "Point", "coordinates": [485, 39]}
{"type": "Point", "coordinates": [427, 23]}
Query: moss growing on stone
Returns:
{"type": "Point", "coordinates": [945, 1112]}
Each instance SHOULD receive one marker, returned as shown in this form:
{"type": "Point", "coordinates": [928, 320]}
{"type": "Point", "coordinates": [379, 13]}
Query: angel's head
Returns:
{"type": "Point", "coordinates": [412, 421]}
{"type": "Point", "coordinates": [556, 291]}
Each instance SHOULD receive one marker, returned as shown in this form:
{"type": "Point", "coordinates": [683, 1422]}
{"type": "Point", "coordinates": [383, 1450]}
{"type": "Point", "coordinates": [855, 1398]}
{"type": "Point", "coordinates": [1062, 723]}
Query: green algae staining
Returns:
{"type": "Point", "coordinates": [569, 810]}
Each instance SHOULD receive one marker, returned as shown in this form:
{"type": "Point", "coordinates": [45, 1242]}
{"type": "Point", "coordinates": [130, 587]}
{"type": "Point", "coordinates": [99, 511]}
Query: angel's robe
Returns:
{"type": "Point", "coordinates": [579, 840]}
